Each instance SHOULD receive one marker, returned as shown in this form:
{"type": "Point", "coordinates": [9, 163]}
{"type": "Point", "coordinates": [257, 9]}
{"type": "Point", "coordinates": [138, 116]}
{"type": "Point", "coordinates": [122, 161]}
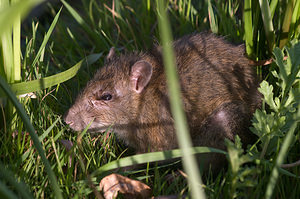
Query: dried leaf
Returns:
{"type": "Point", "coordinates": [113, 184]}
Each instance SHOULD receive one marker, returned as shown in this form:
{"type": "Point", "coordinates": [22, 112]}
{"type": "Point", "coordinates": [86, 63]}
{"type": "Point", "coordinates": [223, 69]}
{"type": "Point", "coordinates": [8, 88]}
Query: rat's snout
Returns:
{"type": "Point", "coordinates": [68, 117]}
{"type": "Point", "coordinates": [74, 119]}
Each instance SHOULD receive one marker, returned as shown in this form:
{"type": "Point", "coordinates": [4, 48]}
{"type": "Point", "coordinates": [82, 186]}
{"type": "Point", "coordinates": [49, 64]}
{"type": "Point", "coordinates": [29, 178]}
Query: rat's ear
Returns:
{"type": "Point", "coordinates": [140, 76]}
{"type": "Point", "coordinates": [111, 53]}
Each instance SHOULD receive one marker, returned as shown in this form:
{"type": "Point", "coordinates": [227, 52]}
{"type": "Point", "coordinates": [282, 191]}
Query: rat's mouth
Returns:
{"type": "Point", "coordinates": [101, 130]}
{"type": "Point", "coordinates": [91, 129]}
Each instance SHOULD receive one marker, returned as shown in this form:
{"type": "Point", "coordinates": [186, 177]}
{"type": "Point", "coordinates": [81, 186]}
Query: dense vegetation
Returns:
{"type": "Point", "coordinates": [41, 157]}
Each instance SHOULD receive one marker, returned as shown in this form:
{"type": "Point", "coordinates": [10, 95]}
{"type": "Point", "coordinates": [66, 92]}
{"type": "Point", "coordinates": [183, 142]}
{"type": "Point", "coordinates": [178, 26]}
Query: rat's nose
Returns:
{"type": "Point", "coordinates": [74, 119]}
{"type": "Point", "coordinates": [68, 122]}
{"type": "Point", "coordinates": [68, 117]}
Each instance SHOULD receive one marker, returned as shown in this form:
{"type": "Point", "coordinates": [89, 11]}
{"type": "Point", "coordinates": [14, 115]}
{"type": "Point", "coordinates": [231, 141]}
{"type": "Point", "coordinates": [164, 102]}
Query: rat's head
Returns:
{"type": "Point", "coordinates": [112, 97]}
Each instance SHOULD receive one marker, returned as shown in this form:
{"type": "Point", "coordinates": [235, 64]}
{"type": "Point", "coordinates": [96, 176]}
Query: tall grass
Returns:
{"type": "Point", "coordinates": [88, 29]}
{"type": "Point", "coordinates": [184, 140]}
{"type": "Point", "coordinates": [10, 65]}
{"type": "Point", "coordinates": [271, 24]}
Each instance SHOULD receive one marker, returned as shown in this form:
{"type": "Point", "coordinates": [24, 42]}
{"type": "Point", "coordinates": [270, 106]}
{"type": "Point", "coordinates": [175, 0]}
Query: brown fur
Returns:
{"type": "Point", "coordinates": [219, 93]}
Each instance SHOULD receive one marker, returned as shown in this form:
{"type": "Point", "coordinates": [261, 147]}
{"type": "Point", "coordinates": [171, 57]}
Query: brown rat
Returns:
{"type": "Point", "coordinates": [129, 94]}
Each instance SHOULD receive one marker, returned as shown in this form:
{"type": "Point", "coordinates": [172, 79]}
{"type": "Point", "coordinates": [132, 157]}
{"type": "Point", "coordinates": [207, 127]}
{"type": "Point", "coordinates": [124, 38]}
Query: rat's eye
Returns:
{"type": "Point", "coordinates": [106, 97]}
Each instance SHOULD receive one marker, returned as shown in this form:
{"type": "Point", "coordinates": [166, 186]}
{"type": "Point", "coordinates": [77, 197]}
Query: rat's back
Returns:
{"type": "Point", "coordinates": [219, 88]}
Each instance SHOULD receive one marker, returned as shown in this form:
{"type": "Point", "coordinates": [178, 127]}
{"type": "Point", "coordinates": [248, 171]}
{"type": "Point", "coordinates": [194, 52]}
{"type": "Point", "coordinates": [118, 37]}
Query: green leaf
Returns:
{"type": "Point", "coordinates": [35, 85]}
{"type": "Point", "coordinates": [279, 61]}
{"type": "Point", "coordinates": [281, 156]}
{"type": "Point", "coordinates": [267, 91]}
{"type": "Point", "coordinates": [288, 70]}
{"type": "Point", "coordinates": [235, 154]}
{"type": "Point", "coordinates": [294, 59]}
{"type": "Point", "coordinates": [152, 157]}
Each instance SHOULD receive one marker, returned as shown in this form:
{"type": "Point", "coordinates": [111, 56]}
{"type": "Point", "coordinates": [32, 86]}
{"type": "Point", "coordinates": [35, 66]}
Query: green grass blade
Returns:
{"type": "Point", "coordinates": [10, 14]}
{"type": "Point", "coordinates": [34, 137]}
{"type": "Point", "coordinates": [188, 10]}
{"type": "Point", "coordinates": [46, 38]}
{"type": "Point", "coordinates": [295, 16]}
{"type": "Point", "coordinates": [212, 19]}
{"type": "Point", "coordinates": [288, 173]}
{"type": "Point", "coordinates": [6, 192]}
{"type": "Point", "coordinates": [281, 156]}
{"type": "Point", "coordinates": [21, 187]}
{"type": "Point", "coordinates": [184, 140]}
{"type": "Point", "coordinates": [7, 54]}
{"type": "Point", "coordinates": [17, 46]}
{"type": "Point", "coordinates": [35, 85]}
{"type": "Point", "coordinates": [248, 28]}
{"type": "Point", "coordinates": [268, 24]}
{"type": "Point", "coordinates": [76, 16]}
{"type": "Point", "coordinates": [44, 135]}
{"type": "Point", "coordinates": [273, 6]}
{"type": "Point", "coordinates": [286, 23]}
{"type": "Point", "coordinates": [152, 157]}
{"type": "Point", "coordinates": [81, 21]}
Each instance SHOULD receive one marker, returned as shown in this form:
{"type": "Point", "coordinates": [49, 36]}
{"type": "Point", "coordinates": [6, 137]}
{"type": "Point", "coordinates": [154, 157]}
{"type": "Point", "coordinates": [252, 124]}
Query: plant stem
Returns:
{"type": "Point", "coordinates": [184, 140]}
